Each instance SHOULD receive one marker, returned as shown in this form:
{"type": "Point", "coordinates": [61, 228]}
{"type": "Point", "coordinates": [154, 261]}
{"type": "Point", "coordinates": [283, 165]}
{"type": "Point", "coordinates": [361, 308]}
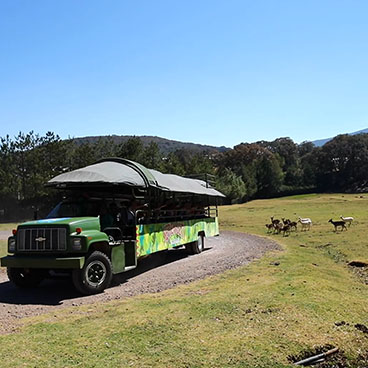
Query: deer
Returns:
{"type": "Point", "coordinates": [337, 224]}
{"type": "Point", "coordinates": [278, 228]}
{"type": "Point", "coordinates": [269, 227]}
{"type": "Point", "coordinates": [285, 221]}
{"type": "Point", "coordinates": [293, 224]}
{"type": "Point", "coordinates": [306, 223]}
{"type": "Point", "coordinates": [274, 221]}
{"type": "Point", "coordinates": [286, 229]}
{"type": "Point", "coordinates": [348, 219]}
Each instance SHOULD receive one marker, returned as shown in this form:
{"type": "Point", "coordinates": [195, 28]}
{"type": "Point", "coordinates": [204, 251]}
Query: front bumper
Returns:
{"type": "Point", "coordinates": [17, 261]}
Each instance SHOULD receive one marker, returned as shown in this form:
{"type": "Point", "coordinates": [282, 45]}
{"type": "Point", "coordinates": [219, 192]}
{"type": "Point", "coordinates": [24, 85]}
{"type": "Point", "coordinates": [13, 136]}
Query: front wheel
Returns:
{"type": "Point", "coordinates": [95, 276]}
{"type": "Point", "coordinates": [26, 278]}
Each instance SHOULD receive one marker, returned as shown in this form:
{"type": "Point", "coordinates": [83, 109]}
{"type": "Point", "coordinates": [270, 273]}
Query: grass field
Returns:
{"type": "Point", "coordinates": [8, 226]}
{"type": "Point", "coordinates": [3, 245]}
{"type": "Point", "coordinates": [254, 316]}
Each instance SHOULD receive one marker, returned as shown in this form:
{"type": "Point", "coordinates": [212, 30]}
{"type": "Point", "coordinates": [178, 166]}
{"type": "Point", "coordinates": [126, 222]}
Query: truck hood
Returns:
{"type": "Point", "coordinates": [86, 223]}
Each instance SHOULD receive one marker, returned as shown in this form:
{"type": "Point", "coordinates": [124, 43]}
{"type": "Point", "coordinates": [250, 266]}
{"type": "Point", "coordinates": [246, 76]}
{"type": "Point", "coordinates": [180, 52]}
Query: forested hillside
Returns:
{"type": "Point", "coordinates": [249, 170]}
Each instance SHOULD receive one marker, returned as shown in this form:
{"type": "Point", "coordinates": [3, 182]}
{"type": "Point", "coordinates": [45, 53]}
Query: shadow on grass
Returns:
{"type": "Point", "coordinates": [59, 288]}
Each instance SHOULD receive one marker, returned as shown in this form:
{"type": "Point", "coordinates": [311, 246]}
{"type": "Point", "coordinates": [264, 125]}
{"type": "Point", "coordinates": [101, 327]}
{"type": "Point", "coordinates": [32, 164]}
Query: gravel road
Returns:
{"type": "Point", "coordinates": [156, 273]}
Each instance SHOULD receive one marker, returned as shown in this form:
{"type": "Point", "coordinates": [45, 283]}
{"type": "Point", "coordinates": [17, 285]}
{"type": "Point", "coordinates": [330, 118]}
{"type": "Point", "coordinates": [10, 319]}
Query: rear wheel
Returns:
{"type": "Point", "coordinates": [26, 278]}
{"type": "Point", "coordinates": [197, 246]}
{"type": "Point", "coordinates": [95, 276]}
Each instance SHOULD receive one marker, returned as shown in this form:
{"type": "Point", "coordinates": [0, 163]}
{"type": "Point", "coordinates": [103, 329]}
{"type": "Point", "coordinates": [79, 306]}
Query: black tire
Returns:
{"type": "Point", "coordinates": [26, 278]}
{"type": "Point", "coordinates": [197, 246]}
{"type": "Point", "coordinates": [95, 276]}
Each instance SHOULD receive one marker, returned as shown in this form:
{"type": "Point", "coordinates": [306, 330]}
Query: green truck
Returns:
{"type": "Point", "coordinates": [112, 213]}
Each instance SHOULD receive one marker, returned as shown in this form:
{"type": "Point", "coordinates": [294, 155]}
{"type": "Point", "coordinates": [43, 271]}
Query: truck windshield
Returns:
{"type": "Point", "coordinates": [75, 209]}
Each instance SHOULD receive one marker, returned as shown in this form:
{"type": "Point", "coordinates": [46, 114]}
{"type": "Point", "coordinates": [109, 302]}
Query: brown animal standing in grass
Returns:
{"type": "Point", "coordinates": [285, 221]}
{"type": "Point", "coordinates": [286, 229]}
{"type": "Point", "coordinates": [293, 224]}
{"type": "Point", "coordinates": [338, 224]}
{"type": "Point", "coordinates": [278, 228]}
{"type": "Point", "coordinates": [275, 221]}
{"type": "Point", "coordinates": [269, 227]}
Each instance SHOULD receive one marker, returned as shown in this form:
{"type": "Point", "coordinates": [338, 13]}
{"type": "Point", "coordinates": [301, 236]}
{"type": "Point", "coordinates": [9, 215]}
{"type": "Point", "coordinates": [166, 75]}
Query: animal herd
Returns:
{"type": "Point", "coordinates": [285, 226]}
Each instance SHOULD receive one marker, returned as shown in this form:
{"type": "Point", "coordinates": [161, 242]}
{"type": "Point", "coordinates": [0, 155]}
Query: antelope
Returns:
{"type": "Point", "coordinates": [337, 224]}
{"type": "Point", "coordinates": [286, 229]}
{"type": "Point", "coordinates": [269, 227]}
{"type": "Point", "coordinates": [274, 221]}
{"type": "Point", "coordinates": [305, 222]}
{"type": "Point", "coordinates": [348, 220]}
{"type": "Point", "coordinates": [278, 228]}
{"type": "Point", "coordinates": [293, 224]}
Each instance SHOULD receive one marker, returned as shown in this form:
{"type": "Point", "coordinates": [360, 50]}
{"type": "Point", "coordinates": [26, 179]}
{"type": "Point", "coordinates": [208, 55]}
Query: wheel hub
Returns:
{"type": "Point", "coordinates": [96, 273]}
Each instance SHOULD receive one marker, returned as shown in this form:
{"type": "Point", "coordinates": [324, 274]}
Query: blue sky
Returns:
{"type": "Point", "coordinates": [212, 72]}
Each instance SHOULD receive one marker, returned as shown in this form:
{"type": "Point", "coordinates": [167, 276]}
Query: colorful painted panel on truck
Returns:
{"type": "Point", "coordinates": [155, 237]}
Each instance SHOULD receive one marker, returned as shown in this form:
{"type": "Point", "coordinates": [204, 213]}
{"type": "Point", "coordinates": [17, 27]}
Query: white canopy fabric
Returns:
{"type": "Point", "coordinates": [108, 172]}
{"type": "Point", "coordinates": [176, 183]}
{"type": "Point", "coordinates": [125, 172]}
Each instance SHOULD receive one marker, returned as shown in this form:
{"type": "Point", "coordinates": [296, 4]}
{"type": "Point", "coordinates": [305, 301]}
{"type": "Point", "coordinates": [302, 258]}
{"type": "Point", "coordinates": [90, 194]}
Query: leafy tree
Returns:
{"type": "Point", "coordinates": [105, 147]}
{"type": "Point", "coordinates": [152, 157]}
{"type": "Point", "coordinates": [269, 176]}
{"type": "Point", "coordinates": [305, 148]}
{"type": "Point", "coordinates": [82, 155]}
{"type": "Point", "coordinates": [258, 167]}
{"type": "Point", "coordinates": [343, 163]}
{"type": "Point", "coordinates": [9, 185]}
{"type": "Point", "coordinates": [173, 165]}
{"type": "Point", "coordinates": [132, 149]}
{"type": "Point", "coordinates": [288, 154]}
{"type": "Point", "coordinates": [231, 185]}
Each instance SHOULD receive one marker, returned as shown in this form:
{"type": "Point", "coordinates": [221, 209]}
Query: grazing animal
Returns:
{"type": "Point", "coordinates": [348, 219]}
{"type": "Point", "coordinates": [286, 229]}
{"type": "Point", "coordinates": [269, 227]}
{"type": "Point", "coordinates": [306, 223]}
{"type": "Point", "coordinates": [293, 225]}
{"type": "Point", "coordinates": [338, 224]}
{"type": "Point", "coordinates": [278, 228]}
{"type": "Point", "coordinates": [274, 221]}
{"type": "Point", "coordinates": [285, 221]}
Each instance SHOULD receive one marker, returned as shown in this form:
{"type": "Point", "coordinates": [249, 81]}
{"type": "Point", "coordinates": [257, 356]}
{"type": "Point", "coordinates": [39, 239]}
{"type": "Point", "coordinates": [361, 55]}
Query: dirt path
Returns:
{"type": "Point", "coordinates": [4, 234]}
{"type": "Point", "coordinates": [158, 272]}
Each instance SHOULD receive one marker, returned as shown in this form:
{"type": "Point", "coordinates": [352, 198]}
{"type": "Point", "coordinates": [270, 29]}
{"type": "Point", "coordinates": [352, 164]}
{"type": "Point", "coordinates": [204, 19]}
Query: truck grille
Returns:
{"type": "Point", "coordinates": [41, 239]}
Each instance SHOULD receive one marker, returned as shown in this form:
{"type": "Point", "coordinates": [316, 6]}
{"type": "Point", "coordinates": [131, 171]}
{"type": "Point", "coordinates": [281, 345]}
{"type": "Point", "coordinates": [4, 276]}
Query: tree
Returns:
{"type": "Point", "coordinates": [288, 154]}
{"type": "Point", "coordinates": [258, 167]}
{"type": "Point", "coordinates": [9, 185]}
{"type": "Point", "coordinates": [132, 149]}
{"type": "Point", "coordinates": [82, 155]}
{"type": "Point", "coordinates": [152, 157]}
{"type": "Point", "coordinates": [231, 185]}
{"type": "Point", "coordinates": [269, 176]}
{"type": "Point", "coordinates": [343, 163]}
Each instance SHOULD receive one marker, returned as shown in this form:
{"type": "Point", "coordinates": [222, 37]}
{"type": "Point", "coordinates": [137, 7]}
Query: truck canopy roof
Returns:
{"type": "Point", "coordinates": [117, 171]}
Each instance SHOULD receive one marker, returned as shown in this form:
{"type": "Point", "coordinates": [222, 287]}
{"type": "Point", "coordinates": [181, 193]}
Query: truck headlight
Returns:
{"type": "Point", "coordinates": [77, 244]}
{"type": "Point", "coordinates": [11, 245]}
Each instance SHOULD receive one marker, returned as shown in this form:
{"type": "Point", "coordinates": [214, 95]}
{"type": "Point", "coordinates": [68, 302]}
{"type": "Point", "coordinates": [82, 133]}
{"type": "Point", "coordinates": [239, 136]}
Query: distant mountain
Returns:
{"type": "Point", "coordinates": [321, 142]}
{"type": "Point", "coordinates": [166, 145]}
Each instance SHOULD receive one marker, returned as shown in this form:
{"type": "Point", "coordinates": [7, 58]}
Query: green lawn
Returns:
{"type": "Point", "coordinates": [8, 226]}
{"type": "Point", "coordinates": [254, 316]}
{"type": "Point", "coordinates": [3, 245]}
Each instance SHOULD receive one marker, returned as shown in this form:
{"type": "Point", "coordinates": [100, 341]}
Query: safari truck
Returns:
{"type": "Point", "coordinates": [112, 213]}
